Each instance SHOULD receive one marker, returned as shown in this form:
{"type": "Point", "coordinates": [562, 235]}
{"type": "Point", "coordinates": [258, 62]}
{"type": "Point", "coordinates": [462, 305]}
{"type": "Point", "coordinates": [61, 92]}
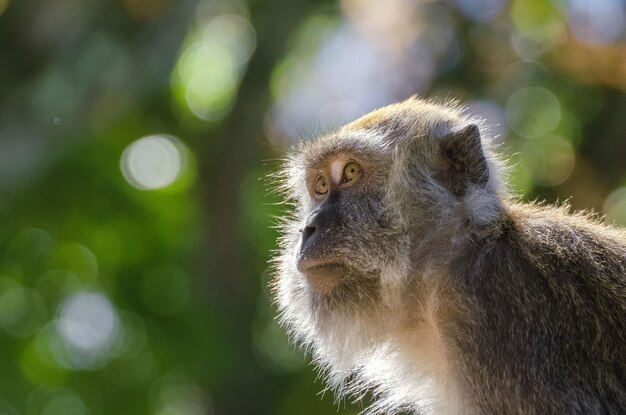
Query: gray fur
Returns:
{"type": "Point", "coordinates": [454, 298]}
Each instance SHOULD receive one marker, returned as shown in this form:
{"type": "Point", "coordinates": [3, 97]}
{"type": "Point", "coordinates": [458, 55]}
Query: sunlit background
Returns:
{"type": "Point", "coordinates": [134, 227]}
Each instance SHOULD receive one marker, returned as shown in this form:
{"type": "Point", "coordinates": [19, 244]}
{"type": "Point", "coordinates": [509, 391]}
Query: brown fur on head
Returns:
{"type": "Point", "coordinates": [428, 181]}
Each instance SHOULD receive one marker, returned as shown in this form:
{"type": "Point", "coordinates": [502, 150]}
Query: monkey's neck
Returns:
{"type": "Point", "coordinates": [438, 242]}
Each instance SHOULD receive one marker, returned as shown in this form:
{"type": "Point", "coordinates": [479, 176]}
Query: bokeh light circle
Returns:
{"type": "Point", "coordinates": [235, 32]}
{"type": "Point", "coordinates": [597, 22]}
{"type": "Point", "coordinates": [533, 111]}
{"type": "Point", "coordinates": [550, 160]}
{"type": "Point", "coordinates": [615, 206]}
{"type": "Point", "coordinates": [65, 405]}
{"type": "Point", "coordinates": [55, 401]}
{"type": "Point", "coordinates": [176, 393]}
{"type": "Point", "coordinates": [152, 162]}
{"type": "Point", "coordinates": [210, 91]}
{"type": "Point", "coordinates": [88, 321]}
{"type": "Point", "coordinates": [22, 311]}
{"type": "Point", "coordinates": [7, 409]}
{"type": "Point", "coordinates": [208, 71]}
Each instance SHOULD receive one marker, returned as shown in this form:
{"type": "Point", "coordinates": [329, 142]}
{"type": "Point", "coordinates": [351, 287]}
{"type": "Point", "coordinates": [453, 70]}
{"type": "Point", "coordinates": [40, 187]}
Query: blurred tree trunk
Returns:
{"type": "Point", "coordinates": [236, 150]}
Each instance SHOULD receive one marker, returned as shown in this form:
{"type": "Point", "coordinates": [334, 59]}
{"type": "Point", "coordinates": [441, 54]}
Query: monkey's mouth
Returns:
{"type": "Point", "coordinates": [321, 275]}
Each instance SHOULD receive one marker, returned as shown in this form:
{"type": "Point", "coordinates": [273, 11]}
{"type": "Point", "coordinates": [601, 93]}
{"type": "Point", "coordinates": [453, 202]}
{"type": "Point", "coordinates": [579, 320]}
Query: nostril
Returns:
{"type": "Point", "coordinates": [307, 232]}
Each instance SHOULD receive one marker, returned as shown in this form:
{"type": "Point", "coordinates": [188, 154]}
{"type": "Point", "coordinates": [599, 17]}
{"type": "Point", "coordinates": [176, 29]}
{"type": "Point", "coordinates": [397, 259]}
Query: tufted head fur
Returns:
{"type": "Point", "coordinates": [408, 271]}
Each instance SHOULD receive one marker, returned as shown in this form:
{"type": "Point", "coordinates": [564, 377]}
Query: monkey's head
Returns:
{"type": "Point", "coordinates": [375, 201]}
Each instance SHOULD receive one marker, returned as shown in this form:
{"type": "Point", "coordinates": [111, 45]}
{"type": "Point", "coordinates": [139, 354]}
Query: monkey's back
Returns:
{"type": "Point", "coordinates": [545, 327]}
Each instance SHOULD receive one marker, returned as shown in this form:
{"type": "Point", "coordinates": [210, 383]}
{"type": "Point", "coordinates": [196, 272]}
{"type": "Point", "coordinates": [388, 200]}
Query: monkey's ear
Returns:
{"type": "Point", "coordinates": [462, 160]}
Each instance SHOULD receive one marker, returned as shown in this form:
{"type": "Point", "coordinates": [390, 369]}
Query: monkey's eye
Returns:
{"type": "Point", "coordinates": [321, 186]}
{"type": "Point", "coordinates": [350, 172]}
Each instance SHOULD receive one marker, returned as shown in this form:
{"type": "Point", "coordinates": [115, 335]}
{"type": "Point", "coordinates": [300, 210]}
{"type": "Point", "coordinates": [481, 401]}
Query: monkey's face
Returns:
{"type": "Point", "coordinates": [341, 248]}
{"type": "Point", "coordinates": [342, 235]}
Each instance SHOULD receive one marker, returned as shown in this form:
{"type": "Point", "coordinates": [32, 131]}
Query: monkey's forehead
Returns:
{"type": "Point", "coordinates": [361, 145]}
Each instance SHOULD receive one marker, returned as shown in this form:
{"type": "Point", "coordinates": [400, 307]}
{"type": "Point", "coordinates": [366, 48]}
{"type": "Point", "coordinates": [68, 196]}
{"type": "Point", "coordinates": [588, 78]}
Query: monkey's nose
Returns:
{"type": "Point", "coordinates": [309, 241]}
{"type": "Point", "coordinates": [316, 224]}
{"type": "Point", "coordinates": [307, 232]}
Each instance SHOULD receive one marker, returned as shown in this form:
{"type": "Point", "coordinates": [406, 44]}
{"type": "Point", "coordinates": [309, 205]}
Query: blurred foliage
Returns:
{"type": "Point", "coordinates": [135, 228]}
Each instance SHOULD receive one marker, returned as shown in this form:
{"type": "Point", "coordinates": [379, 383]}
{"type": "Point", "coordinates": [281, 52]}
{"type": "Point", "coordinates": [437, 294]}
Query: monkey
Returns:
{"type": "Point", "coordinates": [413, 274]}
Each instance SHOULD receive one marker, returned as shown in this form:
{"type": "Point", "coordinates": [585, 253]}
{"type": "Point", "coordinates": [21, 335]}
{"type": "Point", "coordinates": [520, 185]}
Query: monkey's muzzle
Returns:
{"type": "Point", "coordinates": [322, 276]}
{"type": "Point", "coordinates": [322, 270]}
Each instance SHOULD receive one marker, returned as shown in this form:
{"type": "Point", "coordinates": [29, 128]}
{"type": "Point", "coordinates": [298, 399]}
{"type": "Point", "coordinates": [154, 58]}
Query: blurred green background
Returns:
{"type": "Point", "coordinates": [135, 227]}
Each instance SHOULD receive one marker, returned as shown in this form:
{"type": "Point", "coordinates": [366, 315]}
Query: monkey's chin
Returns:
{"type": "Point", "coordinates": [324, 278]}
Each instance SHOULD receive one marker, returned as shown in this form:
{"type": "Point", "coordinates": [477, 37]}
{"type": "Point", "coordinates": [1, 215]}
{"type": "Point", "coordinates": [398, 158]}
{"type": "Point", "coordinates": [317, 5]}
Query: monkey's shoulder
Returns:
{"type": "Point", "coordinates": [545, 259]}
{"type": "Point", "coordinates": [557, 240]}
{"type": "Point", "coordinates": [567, 270]}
